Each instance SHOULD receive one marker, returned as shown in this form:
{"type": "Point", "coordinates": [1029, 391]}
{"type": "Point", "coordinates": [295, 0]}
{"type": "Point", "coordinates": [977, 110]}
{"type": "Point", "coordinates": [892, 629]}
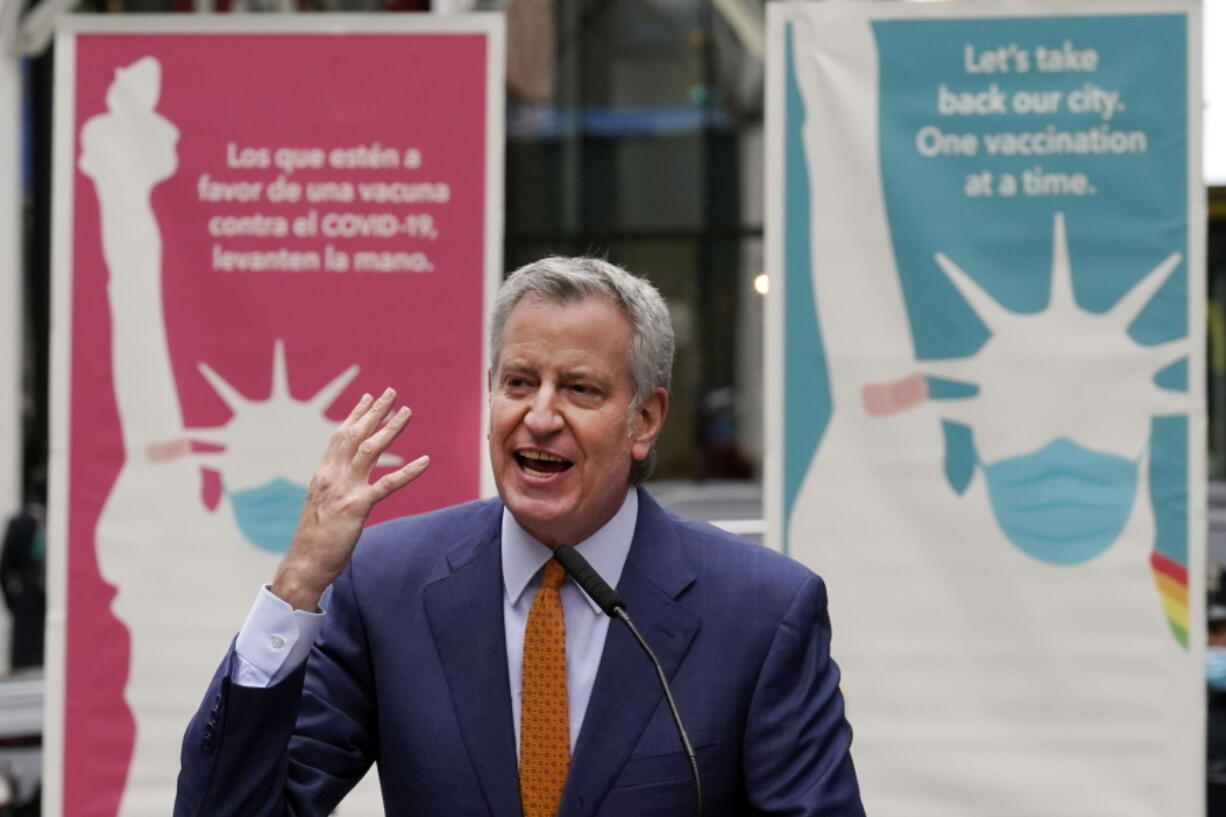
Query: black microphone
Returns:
{"type": "Point", "coordinates": [598, 589]}
{"type": "Point", "coordinates": [608, 600]}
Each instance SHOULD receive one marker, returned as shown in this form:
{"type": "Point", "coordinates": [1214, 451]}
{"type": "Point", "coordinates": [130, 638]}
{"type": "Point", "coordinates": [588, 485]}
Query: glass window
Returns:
{"type": "Point", "coordinates": [640, 149]}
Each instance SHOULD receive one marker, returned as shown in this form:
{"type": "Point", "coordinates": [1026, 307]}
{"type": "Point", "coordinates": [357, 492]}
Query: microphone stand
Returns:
{"type": "Point", "coordinates": [608, 601]}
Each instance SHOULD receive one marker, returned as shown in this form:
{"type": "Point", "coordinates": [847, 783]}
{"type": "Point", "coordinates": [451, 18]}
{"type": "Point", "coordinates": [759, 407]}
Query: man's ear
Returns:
{"type": "Point", "coordinates": [648, 421]}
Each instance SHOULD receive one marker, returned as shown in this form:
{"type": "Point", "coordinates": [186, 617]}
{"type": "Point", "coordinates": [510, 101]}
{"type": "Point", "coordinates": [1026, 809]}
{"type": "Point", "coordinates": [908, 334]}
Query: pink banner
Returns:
{"type": "Point", "coordinates": [264, 226]}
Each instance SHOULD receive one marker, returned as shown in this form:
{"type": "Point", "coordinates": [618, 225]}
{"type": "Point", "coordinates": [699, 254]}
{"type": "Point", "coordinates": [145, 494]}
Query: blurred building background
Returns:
{"type": "Point", "coordinates": [634, 131]}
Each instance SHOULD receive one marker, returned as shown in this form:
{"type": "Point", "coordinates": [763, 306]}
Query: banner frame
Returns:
{"type": "Point", "coordinates": [490, 24]}
{"type": "Point", "coordinates": [778, 16]}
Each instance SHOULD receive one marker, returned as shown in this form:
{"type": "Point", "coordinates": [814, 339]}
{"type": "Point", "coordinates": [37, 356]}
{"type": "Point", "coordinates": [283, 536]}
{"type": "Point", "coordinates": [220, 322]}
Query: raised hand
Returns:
{"type": "Point", "coordinates": [341, 497]}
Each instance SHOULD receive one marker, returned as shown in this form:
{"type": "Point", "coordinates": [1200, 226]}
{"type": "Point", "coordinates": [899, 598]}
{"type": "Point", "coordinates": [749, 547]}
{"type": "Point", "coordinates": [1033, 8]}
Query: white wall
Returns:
{"type": "Point", "coordinates": [1215, 91]}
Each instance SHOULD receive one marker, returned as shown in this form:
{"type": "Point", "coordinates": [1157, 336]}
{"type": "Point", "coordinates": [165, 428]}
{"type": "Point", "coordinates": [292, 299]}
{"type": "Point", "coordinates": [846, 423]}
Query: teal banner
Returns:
{"type": "Point", "coordinates": [985, 412]}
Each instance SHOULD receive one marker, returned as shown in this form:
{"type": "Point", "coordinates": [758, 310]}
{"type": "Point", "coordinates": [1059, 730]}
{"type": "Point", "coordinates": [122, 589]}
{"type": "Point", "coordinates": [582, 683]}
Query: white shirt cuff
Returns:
{"type": "Point", "coordinates": [275, 641]}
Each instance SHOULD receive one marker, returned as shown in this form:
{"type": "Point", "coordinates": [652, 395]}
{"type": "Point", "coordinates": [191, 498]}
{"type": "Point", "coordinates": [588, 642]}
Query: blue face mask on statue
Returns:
{"type": "Point", "coordinates": [268, 515]}
{"type": "Point", "coordinates": [1064, 503]}
{"type": "Point", "coordinates": [1215, 668]}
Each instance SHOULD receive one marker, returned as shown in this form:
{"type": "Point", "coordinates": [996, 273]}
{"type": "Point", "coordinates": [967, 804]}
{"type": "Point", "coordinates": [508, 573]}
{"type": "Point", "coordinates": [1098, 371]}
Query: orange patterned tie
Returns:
{"type": "Point", "coordinates": [544, 724]}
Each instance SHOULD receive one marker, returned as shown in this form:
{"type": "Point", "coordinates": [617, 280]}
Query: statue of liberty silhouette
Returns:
{"type": "Point", "coordinates": [185, 572]}
{"type": "Point", "coordinates": [966, 510]}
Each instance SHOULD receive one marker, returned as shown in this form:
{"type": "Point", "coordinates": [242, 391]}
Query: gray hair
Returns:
{"type": "Point", "coordinates": [566, 280]}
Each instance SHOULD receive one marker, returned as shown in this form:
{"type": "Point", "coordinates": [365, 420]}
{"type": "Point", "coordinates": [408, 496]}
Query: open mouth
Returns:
{"type": "Point", "coordinates": [541, 464]}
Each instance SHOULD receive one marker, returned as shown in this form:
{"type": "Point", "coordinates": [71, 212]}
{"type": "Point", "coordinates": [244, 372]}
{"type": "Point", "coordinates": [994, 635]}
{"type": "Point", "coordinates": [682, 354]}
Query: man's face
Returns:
{"type": "Point", "coordinates": [563, 424]}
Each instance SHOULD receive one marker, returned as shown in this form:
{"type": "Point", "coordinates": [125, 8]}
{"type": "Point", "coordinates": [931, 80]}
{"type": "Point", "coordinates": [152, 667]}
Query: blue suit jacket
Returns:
{"type": "Point", "coordinates": [410, 671]}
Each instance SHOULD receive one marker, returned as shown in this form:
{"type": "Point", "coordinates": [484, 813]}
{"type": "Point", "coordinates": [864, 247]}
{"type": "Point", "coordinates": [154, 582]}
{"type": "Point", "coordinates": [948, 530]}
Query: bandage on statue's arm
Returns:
{"type": "Point", "coordinates": [888, 397]}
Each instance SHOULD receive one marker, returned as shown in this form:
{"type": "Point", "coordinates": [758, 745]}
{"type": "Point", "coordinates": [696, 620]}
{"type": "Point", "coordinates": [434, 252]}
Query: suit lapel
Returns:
{"type": "Point", "coordinates": [627, 691]}
{"type": "Point", "coordinates": [464, 608]}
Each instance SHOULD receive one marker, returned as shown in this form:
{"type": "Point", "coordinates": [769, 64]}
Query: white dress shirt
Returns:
{"type": "Point", "coordinates": [276, 639]}
{"type": "Point", "coordinates": [586, 625]}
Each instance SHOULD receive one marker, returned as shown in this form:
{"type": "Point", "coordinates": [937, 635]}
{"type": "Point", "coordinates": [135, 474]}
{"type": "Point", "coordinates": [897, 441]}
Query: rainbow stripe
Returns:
{"type": "Point", "coordinates": [1172, 580]}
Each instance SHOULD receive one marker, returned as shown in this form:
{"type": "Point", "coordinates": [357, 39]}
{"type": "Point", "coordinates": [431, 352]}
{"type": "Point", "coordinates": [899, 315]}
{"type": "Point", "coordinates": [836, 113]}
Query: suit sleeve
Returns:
{"type": "Point", "coordinates": [290, 750]}
{"type": "Point", "coordinates": [797, 758]}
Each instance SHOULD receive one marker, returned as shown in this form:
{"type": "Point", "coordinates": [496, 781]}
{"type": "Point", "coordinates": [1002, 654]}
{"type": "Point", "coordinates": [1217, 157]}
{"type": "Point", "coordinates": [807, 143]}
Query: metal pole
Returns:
{"type": "Point", "coordinates": [11, 318]}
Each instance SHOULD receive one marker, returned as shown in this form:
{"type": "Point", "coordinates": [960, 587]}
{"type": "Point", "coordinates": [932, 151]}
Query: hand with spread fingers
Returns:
{"type": "Point", "coordinates": [341, 497]}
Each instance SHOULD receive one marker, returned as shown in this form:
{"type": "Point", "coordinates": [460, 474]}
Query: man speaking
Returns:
{"type": "Point", "coordinates": [452, 649]}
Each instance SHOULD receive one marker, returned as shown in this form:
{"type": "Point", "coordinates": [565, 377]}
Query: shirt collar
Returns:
{"type": "Point", "coordinates": [605, 550]}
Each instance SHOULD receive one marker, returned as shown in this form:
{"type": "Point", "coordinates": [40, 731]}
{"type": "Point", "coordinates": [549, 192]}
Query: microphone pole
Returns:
{"type": "Point", "coordinates": [607, 599]}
